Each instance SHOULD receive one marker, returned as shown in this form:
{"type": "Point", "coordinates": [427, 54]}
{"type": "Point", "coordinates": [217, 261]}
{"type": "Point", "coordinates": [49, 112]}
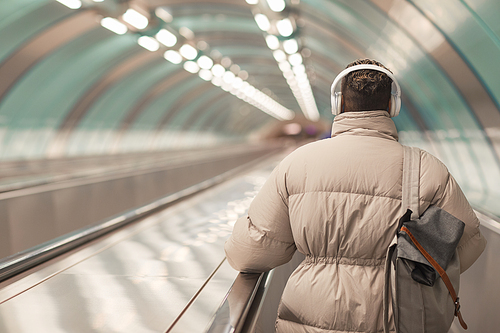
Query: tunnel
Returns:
{"type": "Point", "coordinates": [108, 105]}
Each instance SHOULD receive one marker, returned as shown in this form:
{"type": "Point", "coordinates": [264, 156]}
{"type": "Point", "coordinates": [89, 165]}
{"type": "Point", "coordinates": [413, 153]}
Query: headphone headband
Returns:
{"type": "Point", "coordinates": [396, 96]}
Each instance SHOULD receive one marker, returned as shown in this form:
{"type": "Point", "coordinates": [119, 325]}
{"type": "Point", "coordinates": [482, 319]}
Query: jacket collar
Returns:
{"type": "Point", "coordinates": [365, 123]}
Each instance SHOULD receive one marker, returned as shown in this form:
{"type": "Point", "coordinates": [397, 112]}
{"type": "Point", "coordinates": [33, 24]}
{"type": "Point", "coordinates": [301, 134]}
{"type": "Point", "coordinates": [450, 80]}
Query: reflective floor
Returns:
{"type": "Point", "coordinates": [142, 279]}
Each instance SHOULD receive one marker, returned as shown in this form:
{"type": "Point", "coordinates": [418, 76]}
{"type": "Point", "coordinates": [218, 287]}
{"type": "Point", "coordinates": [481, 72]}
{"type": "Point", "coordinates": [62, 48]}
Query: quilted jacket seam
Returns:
{"type": "Point", "coordinates": [371, 195]}
{"type": "Point", "coordinates": [265, 235]}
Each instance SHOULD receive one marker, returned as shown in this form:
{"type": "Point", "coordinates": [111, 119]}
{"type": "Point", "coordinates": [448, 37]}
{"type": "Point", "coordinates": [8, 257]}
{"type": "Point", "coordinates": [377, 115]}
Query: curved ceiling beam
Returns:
{"type": "Point", "coordinates": [484, 115]}
{"type": "Point", "coordinates": [182, 101]}
{"type": "Point", "coordinates": [246, 123]}
{"type": "Point", "coordinates": [218, 109]}
{"type": "Point", "coordinates": [454, 68]}
{"type": "Point", "coordinates": [458, 70]}
{"type": "Point", "coordinates": [446, 116]}
{"type": "Point", "coordinates": [131, 62]}
{"type": "Point", "coordinates": [19, 24]}
{"type": "Point", "coordinates": [158, 89]}
{"type": "Point", "coordinates": [47, 41]}
{"type": "Point", "coordinates": [222, 123]}
{"type": "Point", "coordinates": [213, 111]}
{"type": "Point", "coordinates": [225, 107]}
{"type": "Point", "coordinates": [231, 38]}
{"type": "Point", "coordinates": [173, 3]}
{"type": "Point", "coordinates": [334, 33]}
{"type": "Point", "coordinates": [195, 115]}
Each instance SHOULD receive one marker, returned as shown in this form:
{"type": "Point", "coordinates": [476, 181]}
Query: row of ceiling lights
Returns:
{"type": "Point", "coordinates": [286, 53]}
{"type": "Point", "coordinates": [193, 60]}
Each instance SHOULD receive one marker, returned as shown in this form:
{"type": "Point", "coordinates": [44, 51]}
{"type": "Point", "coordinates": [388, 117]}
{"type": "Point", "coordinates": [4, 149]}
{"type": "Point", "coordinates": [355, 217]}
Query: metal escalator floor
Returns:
{"type": "Point", "coordinates": [140, 279]}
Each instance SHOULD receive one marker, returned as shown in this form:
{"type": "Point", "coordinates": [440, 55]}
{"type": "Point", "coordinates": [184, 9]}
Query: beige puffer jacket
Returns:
{"type": "Point", "coordinates": [338, 202]}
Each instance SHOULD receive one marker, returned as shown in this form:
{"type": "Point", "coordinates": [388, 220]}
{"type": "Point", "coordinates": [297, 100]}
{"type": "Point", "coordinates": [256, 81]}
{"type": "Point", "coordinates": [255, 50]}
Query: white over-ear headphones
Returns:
{"type": "Point", "coordinates": [395, 91]}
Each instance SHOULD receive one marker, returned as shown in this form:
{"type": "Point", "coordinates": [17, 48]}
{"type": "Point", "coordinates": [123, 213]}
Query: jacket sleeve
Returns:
{"type": "Point", "coordinates": [263, 239]}
{"type": "Point", "coordinates": [472, 243]}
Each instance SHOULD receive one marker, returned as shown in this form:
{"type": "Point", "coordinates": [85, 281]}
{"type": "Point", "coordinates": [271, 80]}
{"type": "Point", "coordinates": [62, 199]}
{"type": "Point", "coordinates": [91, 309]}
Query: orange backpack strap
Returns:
{"type": "Point", "coordinates": [442, 273]}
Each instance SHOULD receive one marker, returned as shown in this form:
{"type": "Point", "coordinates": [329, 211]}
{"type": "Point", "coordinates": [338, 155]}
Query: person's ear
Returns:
{"type": "Point", "coordinates": [389, 105]}
{"type": "Point", "coordinates": [342, 105]}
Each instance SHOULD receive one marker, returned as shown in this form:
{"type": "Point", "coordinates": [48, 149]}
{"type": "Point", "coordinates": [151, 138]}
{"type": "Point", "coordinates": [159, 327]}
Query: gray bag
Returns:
{"type": "Point", "coordinates": [422, 271]}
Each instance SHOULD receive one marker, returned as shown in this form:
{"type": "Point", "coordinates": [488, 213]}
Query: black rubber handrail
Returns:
{"type": "Point", "coordinates": [24, 260]}
{"type": "Point", "coordinates": [235, 311]}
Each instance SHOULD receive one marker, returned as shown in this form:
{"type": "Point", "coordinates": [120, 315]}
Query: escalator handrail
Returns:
{"type": "Point", "coordinates": [24, 260]}
{"type": "Point", "coordinates": [488, 220]}
{"type": "Point", "coordinates": [235, 310]}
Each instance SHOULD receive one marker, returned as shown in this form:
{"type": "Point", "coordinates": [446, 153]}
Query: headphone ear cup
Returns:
{"type": "Point", "coordinates": [333, 101]}
{"type": "Point", "coordinates": [395, 105]}
{"type": "Point", "coordinates": [337, 103]}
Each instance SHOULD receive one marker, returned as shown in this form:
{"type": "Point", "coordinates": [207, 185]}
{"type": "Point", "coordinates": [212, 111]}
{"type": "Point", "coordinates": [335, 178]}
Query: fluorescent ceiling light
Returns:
{"type": "Point", "coordinates": [218, 70]}
{"type": "Point", "coordinates": [252, 2]}
{"type": "Point", "coordinates": [276, 5]}
{"type": "Point", "coordinates": [288, 74]}
{"type": "Point", "coordinates": [98, 0]}
{"type": "Point", "coordinates": [225, 86]}
{"type": "Point", "coordinates": [234, 68]}
{"type": "Point", "coordinates": [302, 77]}
{"type": "Point", "coordinates": [186, 32]}
{"type": "Point", "coordinates": [292, 129]}
{"type": "Point", "coordinates": [164, 14]}
{"type": "Point", "coordinates": [262, 22]}
{"type": "Point", "coordinates": [206, 74]}
{"type": "Point", "coordinates": [135, 19]}
{"type": "Point", "coordinates": [72, 4]}
{"type": "Point", "coordinates": [217, 81]}
{"type": "Point", "coordinates": [166, 38]}
{"type": "Point", "coordinates": [226, 62]}
{"type": "Point", "coordinates": [114, 25]}
{"type": "Point", "coordinates": [279, 55]}
{"type": "Point", "coordinates": [295, 59]}
{"type": "Point", "coordinates": [304, 84]}
{"type": "Point", "coordinates": [290, 46]}
{"type": "Point", "coordinates": [284, 66]}
{"type": "Point", "coordinates": [285, 27]}
{"type": "Point", "coordinates": [237, 83]}
{"type": "Point", "coordinates": [191, 67]}
{"type": "Point", "coordinates": [292, 83]}
{"type": "Point", "coordinates": [205, 62]}
{"type": "Point", "coordinates": [173, 56]}
{"type": "Point", "coordinates": [202, 45]}
{"type": "Point", "coordinates": [228, 77]}
{"type": "Point", "coordinates": [272, 42]}
{"type": "Point", "coordinates": [149, 43]}
{"type": "Point", "coordinates": [250, 91]}
{"type": "Point", "coordinates": [188, 52]}
{"type": "Point", "coordinates": [299, 69]}
{"type": "Point", "coordinates": [243, 74]}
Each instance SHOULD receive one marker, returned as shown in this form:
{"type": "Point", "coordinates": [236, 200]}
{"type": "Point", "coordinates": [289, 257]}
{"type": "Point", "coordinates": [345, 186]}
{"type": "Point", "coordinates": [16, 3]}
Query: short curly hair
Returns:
{"type": "Point", "coordinates": [366, 89]}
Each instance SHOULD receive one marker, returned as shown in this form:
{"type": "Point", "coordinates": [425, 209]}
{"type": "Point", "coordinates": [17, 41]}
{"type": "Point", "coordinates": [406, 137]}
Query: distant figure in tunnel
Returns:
{"type": "Point", "coordinates": [338, 201]}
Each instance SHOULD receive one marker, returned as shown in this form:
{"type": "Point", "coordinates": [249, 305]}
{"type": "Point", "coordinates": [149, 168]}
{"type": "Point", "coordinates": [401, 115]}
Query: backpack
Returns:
{"type": "Point", "coordinates": [422, 268]}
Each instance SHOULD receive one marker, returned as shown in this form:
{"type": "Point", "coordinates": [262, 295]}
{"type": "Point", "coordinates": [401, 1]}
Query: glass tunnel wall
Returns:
{"type": "Point", "coordinates": [69, 87]}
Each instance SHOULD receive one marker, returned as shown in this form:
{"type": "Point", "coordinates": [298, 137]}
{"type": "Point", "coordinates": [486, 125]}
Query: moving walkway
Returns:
{"type": "Point", "coordinates": [161, 268]}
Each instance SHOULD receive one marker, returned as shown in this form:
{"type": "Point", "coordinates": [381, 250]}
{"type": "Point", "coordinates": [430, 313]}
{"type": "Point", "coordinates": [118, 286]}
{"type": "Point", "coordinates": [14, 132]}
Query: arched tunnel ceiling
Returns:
{"type": "Point", "coordinates": [68, 86]}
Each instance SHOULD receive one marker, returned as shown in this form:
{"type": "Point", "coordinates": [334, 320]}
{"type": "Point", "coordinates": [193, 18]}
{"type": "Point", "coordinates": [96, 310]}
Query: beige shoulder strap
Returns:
{"type": "Point", "coordinates": [411, 180]}
{"type": "Point", "coordinates": [410, 200]}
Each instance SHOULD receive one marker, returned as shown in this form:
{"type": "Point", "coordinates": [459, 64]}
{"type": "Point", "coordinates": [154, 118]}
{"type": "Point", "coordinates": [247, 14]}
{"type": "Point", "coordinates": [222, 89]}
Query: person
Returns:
{"type": "Point", "coordinates": [338, 201]}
